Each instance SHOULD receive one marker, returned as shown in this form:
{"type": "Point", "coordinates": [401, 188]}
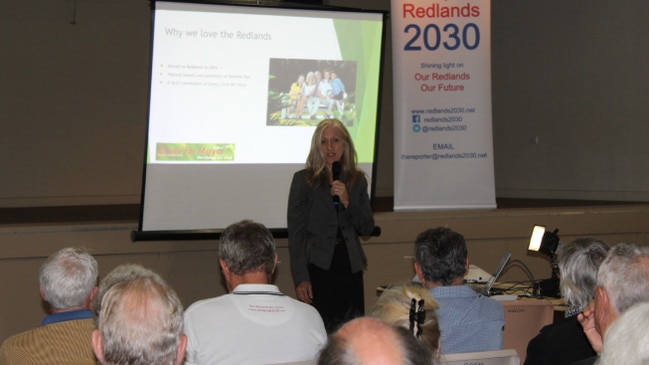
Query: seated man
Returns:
{"type": "Point", "coordinates": [563, 342]}
{"type": "Point", "coordinates": [626, 340]}
{"type": "Point", "coordinates": [68, 282]}
{"type": "Point", "coordinates": [122, 272]}
{"type": "Point", "coordinates": [140, 322]}
{"type": "Point", "coordinates": [368, 340]}
{"type": "Point", "coordinates": [469, 322]}
{"type": "Point", "coordinates": [255, 323]}
{"type": "Point", "coordinates": [622, 281]}
{"type": "Point", "coordinates": [339, 94]}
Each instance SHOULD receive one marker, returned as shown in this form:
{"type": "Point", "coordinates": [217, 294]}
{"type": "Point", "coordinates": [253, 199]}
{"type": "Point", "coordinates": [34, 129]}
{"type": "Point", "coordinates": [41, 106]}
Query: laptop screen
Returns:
{"type": "Point", "coordinates": [499, 270]}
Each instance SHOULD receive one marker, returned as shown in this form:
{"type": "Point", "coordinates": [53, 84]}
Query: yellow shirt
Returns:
{"type": "Point", "coordinates": [295, 91]}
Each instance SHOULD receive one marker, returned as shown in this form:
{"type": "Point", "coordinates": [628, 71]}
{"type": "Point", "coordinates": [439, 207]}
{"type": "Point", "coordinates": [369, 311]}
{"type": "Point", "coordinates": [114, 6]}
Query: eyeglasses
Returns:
{"type": "Point", "coordinates": [417, 316]}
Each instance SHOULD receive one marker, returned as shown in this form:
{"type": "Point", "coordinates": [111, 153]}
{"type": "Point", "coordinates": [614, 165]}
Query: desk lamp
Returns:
{"type": "Point", "coordinates": [547, 243]}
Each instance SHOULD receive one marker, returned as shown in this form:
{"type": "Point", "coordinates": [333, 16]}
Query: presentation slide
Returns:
{"type": "Point", "coordinates": [231, 112]}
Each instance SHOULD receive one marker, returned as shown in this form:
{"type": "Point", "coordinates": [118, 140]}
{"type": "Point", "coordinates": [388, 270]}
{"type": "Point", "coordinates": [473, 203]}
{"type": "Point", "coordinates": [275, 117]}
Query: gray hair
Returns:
{"type": "Point", "coordinates": [442, 255]}
{"type": "Point", "coordinates": [123, 272]}
{"type": "Point", "coordinates": [68, 277]}
{"type": "Point", "coordinates": [337, 352]}
{"type": "Point", "coordinates": [624, 275]}
{"type": "Point", "coordinates": [141, 323]}
{"type": "Point", "coordinates": [246, 247]}
{"type": "Point", "coordinates": [626, 340]}
{"type": "Point", "coordinates": [578, 263]}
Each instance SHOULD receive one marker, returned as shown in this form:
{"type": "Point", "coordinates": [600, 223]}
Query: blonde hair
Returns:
{"type": "Point", "coordinates": [394, 305]}
{"type": "Point", "coordinates": [317, 165]}
{"type": "Point", "coordinates": [310, 78]}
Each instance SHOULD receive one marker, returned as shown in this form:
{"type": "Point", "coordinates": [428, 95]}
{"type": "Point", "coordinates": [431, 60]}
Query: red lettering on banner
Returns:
{"type": "Point", "coordinates": [440, 11]}
{"type": "Point", "coordinates": [407, 9]}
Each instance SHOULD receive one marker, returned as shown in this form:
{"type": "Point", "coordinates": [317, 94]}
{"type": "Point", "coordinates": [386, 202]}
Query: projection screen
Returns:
{"type": "Point", "coordinates": [225, 133]}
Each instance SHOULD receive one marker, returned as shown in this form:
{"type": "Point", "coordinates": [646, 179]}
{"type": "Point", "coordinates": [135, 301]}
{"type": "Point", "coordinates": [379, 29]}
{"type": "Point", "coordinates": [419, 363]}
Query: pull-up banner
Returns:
{"type": "Point", "coordinates": [442, 105]}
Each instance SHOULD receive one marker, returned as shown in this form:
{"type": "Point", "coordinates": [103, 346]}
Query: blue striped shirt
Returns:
{"type": "Point", "coordinates": [468, 322]}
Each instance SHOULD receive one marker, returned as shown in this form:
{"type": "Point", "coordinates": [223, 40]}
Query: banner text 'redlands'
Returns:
{"type": "Point", "coordinates": [440, 11]}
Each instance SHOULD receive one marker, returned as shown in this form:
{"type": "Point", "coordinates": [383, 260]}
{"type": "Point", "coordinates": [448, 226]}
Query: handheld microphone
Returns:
{"type": "Point", "coordinates": [335, 171]}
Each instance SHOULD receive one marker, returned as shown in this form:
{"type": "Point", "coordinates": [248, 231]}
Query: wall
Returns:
{"type": "Point", "coordinates": [192, 269]}
{"type": "Point", "coordinates": [566, 74]}
{"type": "Point", "coordinates": [570, 111]}
{"type": "Point", "coordinates": [74, 101]}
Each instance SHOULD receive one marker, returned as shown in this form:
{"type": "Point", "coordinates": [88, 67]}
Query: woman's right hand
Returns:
{"type": "Point", "coordinates": [304, 292]}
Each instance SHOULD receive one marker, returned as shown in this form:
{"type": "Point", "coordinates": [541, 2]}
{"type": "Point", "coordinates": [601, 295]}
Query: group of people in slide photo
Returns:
{"type": "Point", "coordinates": [304, 92]}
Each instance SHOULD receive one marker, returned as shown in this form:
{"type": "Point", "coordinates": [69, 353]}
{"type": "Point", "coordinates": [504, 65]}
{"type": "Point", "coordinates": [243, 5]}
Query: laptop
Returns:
{"type": "Point", "coordinates": [497, 272]}
{"type": "Point", "coordinates": [477, 278]}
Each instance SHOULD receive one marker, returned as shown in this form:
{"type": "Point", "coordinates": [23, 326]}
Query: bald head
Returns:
{"type": "Point", "coordinates": [371, 341]}
{"type": "Point", "coordinates": [140, 320]}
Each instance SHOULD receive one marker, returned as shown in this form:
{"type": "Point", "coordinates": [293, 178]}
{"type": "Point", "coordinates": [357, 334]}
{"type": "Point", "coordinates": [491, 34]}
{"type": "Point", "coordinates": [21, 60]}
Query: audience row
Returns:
{"type": "Point", "coordinates": [134, 317]}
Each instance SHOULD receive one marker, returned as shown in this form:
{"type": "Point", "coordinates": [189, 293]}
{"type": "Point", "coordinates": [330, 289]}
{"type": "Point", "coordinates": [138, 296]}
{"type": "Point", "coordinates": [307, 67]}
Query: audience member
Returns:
{"type": "Point", "coordinates": [255, 323]}
{"type": "Point", "coordinates": [68, 283]}
{"type": "Point", "coordinates": [626, 340]}
{"type": "Point", "coordinates": [368, 340]}
{"type": "Point", "coordinates": [564, 342]}
{"type": "Point", "coordinates": [140, 323]}
{"type": "Point", "coordinates": [469, 322]}
{"type": "Point", "coordinates": [622, 281]}
{"type": "Point", "coordinates": [411, 307]}
{"type": "Point", "coordinates": [123, 272]}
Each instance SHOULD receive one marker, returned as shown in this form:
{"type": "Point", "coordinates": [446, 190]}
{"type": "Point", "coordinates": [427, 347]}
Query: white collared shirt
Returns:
{"type": "Point", "coordinates": [254, 324]}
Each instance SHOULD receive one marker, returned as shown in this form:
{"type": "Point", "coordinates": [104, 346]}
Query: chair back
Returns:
{"type": "Point", "coordinates": [524, 318]}
{"type": "Point", "coordinates": [500, 357]}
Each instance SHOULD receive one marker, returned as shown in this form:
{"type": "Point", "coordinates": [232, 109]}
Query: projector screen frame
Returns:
{"type": "Point", "coordinates": [211, 234]}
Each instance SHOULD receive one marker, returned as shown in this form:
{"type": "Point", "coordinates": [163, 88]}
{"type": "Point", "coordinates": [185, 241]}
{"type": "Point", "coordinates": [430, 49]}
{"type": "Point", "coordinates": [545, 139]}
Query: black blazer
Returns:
{"type": "Point", "coordinates": [313, 225]}
{"type": "Point", "coordinates": [560, 343]}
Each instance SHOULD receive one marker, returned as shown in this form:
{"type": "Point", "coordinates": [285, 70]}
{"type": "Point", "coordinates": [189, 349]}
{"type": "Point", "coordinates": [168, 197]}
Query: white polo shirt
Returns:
{"type": "Point", "coordinates": [254, 324]}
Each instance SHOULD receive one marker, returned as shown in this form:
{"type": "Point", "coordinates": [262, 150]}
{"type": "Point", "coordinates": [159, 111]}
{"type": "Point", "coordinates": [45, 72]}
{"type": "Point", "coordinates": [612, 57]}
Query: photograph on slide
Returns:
{"type": "Point", "coordinates": [304, 92]}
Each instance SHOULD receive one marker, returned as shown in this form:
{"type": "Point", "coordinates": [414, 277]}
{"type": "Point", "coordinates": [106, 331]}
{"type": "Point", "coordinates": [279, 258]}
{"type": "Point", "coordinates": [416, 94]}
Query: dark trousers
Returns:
{"type": "Point", "coordinates": [338, 293]}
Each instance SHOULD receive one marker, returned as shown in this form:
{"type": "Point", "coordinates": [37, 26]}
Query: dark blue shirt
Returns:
{"type": "Point", "coordinates": [67, 316]}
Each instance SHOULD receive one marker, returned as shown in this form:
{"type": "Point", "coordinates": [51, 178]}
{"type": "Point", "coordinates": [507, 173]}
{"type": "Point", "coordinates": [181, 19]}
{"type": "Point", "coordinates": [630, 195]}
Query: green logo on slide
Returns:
{"type": "Point", "coordinates": [195, 152]}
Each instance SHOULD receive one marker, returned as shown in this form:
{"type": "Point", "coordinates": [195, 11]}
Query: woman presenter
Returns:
{"type": "Point", "coordinates": [328, 209]}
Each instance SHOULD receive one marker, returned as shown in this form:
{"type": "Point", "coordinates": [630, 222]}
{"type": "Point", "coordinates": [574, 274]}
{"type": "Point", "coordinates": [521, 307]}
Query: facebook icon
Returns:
{"type": "Point", "coordinates": [416, 118]}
